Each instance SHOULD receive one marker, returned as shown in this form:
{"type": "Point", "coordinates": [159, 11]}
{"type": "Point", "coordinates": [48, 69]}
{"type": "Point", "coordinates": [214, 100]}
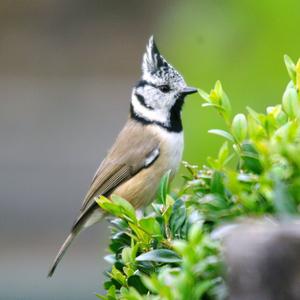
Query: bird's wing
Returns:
{"type": "Point", "coordinates": [136, 148]}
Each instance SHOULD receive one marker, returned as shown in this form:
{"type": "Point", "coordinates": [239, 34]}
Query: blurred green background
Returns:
{"type": "Point", "coordinates": [66, 72]}
{"type": "Point", "coordinates": [241, 43]}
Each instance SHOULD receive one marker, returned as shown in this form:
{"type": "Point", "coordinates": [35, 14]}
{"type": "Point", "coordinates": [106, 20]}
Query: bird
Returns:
{"type": "Point", "coordinates": [149, 145]}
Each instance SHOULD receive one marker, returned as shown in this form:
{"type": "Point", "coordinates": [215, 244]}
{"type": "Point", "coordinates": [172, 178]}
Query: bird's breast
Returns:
{"type": "Point", "coordinates": [171, 147]}
{"type": "Point", "coordinates": [142, 188]}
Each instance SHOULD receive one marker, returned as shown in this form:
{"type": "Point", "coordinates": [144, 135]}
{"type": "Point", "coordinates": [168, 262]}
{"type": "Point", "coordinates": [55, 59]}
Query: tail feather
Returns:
{"type": "Point", "coordinates": [86, 219]}
{"type": "Point", "coordinates": [62, 251]}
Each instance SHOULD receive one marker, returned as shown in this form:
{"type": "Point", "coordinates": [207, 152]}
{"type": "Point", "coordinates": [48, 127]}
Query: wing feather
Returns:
{"type": "Point", "coordinates": [134, 149]}
{"type": "Point", "coordinates": [111, 176]}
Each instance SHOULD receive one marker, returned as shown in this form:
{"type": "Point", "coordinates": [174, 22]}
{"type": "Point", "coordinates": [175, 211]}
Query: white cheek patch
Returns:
{"type": "Point", "coordinates": [155, 115]}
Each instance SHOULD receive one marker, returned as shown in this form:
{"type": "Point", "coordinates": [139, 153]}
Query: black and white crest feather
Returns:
{"type": "Point", "coordinates": [152, 60]}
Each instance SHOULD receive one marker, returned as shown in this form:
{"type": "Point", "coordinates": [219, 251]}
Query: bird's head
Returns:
{"type": "Point", "coordinates": [158, 97]}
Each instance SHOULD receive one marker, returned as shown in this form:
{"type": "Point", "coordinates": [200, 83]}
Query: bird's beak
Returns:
{"type": "Point", "coordinates": [188, 91]}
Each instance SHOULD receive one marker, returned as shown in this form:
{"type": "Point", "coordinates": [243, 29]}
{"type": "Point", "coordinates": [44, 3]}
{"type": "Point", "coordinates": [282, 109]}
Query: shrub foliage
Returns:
{"type": "Point", "coordinates": [173, 251]}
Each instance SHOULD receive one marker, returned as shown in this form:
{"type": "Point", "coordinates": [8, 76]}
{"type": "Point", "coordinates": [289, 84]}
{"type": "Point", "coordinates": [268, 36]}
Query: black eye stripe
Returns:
{"type": "Point", "coordinates": [164, 87]}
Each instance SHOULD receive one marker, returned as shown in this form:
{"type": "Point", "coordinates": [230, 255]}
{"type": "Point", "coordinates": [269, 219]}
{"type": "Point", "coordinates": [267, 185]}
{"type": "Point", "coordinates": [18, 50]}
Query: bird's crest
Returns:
{"type": "Point", "coordinates": [152, 60]}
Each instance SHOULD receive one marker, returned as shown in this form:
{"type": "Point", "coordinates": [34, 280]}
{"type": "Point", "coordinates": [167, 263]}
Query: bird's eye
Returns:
{"type": "Point", "coordinates": [164, 88]}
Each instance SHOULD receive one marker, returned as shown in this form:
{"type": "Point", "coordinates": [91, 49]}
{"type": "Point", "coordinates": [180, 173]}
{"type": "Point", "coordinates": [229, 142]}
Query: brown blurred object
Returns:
{"type": "Point", "coordinates": [264, 262]}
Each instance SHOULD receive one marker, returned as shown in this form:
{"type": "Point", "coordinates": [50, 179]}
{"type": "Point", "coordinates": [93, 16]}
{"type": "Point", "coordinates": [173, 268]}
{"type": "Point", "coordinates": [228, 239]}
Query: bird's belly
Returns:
{"type": "Point", "coordinates": [142, 188]}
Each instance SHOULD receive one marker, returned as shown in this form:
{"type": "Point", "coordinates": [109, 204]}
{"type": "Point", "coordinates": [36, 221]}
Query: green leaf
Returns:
{"type": "Point", "coordinates": [108, 206]}
{"type": "Point", "coordinates": [119, 241]}
{"type": "Point", "coordinates": [117, 275]}
{"type": "Point", "coordinates": [167, 210]}
{"type": "Point", "coordinates": [178, 217]}
{"type": "Point", "coordinates": [125, 206]}
{"type": "Point", "coordinates": [222, 133]}
{"type": "Point", "coordinates": [164, 188]}
{"type": "Point", "coordinates": [126, 255]}
{"type": "Point", "coordinates": [250, 159]}
{"type": "Point", "coordinates": [217, 106]}
{"type": "Point", "coordinates": [160, 255]}
{"type": "Point", "coordinates": [151, 226]}
{"type": "Point", "coordinates": [218, 88]}
{"type": "Point", "coordinates": [226, 105]}
{"type": "Point", "coordinates": [217, 185]}
{"type": "Point", "coordinates": [223, 153]}
{"type": "Point", "coordinates": [139, 233]}
{"type": "Point", "coordinates": [291, 67]}
{"type": "Point", "coordinates": [136, 282]}
{"type": "Point", "coordinates": [204, 95]}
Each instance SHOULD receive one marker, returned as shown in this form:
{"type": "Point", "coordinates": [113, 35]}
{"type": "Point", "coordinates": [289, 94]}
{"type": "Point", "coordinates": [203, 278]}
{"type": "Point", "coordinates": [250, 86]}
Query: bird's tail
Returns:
{"type": "Point", "coordinates": [62, 251]}
{"type": "Point", "coordinates": [86, 219]}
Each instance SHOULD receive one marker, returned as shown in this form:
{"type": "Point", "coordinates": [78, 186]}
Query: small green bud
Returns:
{"type": "Point", "coordinates": [290, 102]}
{"type": "Point", "coordinates": [239, 127]}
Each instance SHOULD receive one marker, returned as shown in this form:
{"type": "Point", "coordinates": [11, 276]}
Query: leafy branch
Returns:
{"type": "Point", "coordinates": [173, 251]}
